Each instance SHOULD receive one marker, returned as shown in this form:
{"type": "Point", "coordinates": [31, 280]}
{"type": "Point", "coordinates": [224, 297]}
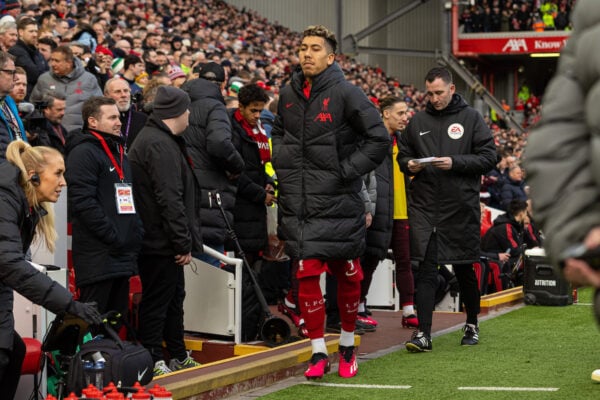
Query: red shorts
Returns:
{"type": "Point", "coordinates": [348, 269]}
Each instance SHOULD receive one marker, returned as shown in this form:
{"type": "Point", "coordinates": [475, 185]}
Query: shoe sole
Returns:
{"type": "Point", "coordinates": [469, 344]}
{"type": "Point", "coordinates": [413, 348]}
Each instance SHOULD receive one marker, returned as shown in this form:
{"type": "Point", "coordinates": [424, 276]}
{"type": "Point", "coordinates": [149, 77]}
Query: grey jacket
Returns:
{"type": "Point", "coordinates": [563, 153]}
{"type": "Point", "coordinates": [77, 86]}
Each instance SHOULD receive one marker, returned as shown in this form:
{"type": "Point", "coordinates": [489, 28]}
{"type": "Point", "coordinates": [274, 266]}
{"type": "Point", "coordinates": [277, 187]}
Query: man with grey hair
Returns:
{"type": "Point", "coordinates": [8, 34]}
{"type": "Point", "coordinates": [52, 133]}
{"type": "Point", "coordinates": [132, 121]}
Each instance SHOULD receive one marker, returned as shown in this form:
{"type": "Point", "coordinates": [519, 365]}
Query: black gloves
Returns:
{"type": "Point", "coordinates": [454, 287]}
{"type": "Point", "coordinates": [86, 311]}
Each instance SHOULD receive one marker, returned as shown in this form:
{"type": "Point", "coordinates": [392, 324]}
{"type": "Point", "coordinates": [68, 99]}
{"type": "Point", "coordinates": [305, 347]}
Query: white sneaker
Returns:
{"type": "Point", "coordinates": [160, 368]}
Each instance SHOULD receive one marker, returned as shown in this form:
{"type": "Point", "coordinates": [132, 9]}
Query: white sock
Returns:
{"type": "Point", "coordinates": [287, 303]}
{"type": "Point", "coordinates": [408, 310]}
{"type": "Point", "coordinates": [346, 338]}
{"type": "Point", "coordinates": [361, 307]}
{"type": "Point", "coordinates": [318, 346]}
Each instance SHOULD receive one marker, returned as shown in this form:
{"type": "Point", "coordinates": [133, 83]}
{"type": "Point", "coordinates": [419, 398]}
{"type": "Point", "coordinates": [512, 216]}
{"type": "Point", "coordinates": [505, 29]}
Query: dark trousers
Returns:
{"type": "Point", "coordinates": [426, 281]}
{"type": "Point", "coordinates": [10, 367]}
{"type": "Point", "coordinates": [109, 295]}
{"type": "Point", "coordinates": [161, 309]}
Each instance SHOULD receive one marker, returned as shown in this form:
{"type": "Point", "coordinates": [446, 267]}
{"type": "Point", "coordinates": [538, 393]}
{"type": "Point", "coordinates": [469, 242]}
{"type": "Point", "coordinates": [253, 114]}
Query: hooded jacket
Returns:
{"type": "Point", "coordinates": [322, 146]}
{"type": "Point", "coordinates": [17, 228]}
{"type": "Point", "coordinates": [209, 144]}
{"type": "Point", "coordinates": [105, 243]}
{"type": "Point", "coordinates": [78, 86]}
{"type": "Point", "coordinates": [447, 202]}
{"type": "Point", "coordinates": [164, 191]}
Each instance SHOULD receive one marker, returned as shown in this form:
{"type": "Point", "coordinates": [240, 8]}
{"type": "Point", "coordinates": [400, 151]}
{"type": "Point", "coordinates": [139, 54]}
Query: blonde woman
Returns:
{"type": "Point", "coordinates": [31, 178]}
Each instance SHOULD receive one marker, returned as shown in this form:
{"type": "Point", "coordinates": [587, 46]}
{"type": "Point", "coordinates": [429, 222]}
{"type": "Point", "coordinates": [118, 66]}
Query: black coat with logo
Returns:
{"type": "Point", "coordinates": [322, 146]}
{"type": "Point", "coordinates": [17, 227]}
{"type": "Point", "coordinates": [447, 202]}
{"type": "Point", "coordinates": [105, 243]}
{"type": "Point", "coordinates": [209, 143]}
{"type": "Point", "coordinates": [165, 192]}
{"type": "Point", "coordinates": [132, 122]}
{"type": "Point", "coordinates": [250, 212]}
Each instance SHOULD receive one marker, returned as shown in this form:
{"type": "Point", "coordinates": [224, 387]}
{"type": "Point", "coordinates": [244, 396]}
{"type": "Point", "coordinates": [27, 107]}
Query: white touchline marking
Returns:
{"type": "Point", "coordinates": [349, 385]}
{"type": "Point", "coordinates": [508, 389]}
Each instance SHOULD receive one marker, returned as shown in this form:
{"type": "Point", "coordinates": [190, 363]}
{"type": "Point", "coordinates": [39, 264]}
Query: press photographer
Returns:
{"type": "Point", "coordinates": [42, 121]}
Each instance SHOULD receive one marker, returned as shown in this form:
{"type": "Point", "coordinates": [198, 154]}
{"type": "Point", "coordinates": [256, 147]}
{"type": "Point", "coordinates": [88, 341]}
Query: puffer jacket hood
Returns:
{"type": "Point", "coordinates": [201, 88]}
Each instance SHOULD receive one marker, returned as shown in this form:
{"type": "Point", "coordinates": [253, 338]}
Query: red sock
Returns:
{"type": "Point", "coordinates": [312, 305]}
{"type": "Point", "coordinates": [348, 299]}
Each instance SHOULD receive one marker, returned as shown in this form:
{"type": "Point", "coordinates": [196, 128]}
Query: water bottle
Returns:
{"type": "Point", "coordinates": [99, 374]}
{"type": "Point", "coordinates": [88, 372]}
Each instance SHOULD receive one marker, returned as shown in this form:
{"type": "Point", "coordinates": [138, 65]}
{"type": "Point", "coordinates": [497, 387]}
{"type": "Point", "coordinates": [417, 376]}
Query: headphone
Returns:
{"type": "Point", "coordinates": [35, 179]}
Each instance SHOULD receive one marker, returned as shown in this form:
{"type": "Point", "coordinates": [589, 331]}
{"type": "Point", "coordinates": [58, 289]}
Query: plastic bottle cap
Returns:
{"type": "Point", "coordinates": [72, 396]}
{"type": "Point", "coordinates": [110, 388]}
{"type": "Point", "coordinates": [141, 395]}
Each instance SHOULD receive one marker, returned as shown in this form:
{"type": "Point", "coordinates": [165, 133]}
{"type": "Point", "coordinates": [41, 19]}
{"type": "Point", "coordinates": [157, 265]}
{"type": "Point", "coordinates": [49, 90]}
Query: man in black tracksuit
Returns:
{"type": "Point", "coordinates": [107, 234]}
{"type": "Point", "coordinates": [217, 163]}
{"type": "Point", "coordinates": [165, 195]}
{"type": "Point", "coordinates": [443, 206]}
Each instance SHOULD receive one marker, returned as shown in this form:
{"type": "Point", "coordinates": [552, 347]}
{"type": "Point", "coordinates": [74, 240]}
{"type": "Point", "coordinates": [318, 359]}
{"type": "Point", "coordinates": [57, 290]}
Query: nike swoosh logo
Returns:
{"type": "Point", "coordinates": [312, 310]}
{"type": "Point", "coordinates": [111, 169]}
{"type": "Point", "coordinates": [423, 133]}
{"type": "Point", "coordinates": [140, 375]}
{"type": "Point", "coordinates": [288, 105]}
{"type": "Point", "coordinates": [351, 273]}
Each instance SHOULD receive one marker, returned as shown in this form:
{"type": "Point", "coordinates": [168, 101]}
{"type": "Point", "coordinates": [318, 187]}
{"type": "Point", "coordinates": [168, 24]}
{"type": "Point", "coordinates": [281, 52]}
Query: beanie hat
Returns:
{"type": "Point", "coordinates": [117, 65]}
{"type": "Point", "coordinates": [213, 72]}
{"type": "Point", "coordinates": [170, 102]}
{"type": "Point", "coordinates": [175, 73]}
{"type": "Point", "coordinates": [11, 4]}
{"type": "Point", "coordinates": [236, 86]}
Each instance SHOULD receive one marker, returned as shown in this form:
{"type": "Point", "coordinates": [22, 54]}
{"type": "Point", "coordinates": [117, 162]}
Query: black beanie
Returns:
{"type": "Point", "coordinates": [170, 102]}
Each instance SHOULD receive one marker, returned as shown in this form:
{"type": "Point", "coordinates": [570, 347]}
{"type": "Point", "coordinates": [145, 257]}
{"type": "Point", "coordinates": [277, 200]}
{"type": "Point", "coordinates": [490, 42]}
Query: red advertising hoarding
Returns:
{"type": "Point", "coordinates": [510, 43]}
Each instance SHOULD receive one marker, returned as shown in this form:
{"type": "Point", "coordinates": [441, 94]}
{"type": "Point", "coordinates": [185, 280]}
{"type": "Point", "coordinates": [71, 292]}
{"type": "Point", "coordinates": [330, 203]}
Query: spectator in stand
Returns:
{"type": "Point", "coordinates": [176, 76]}
{"type": "Point", "coordinates": [11, 9]}
{"type": "Point", "coordinates": [444, 198]}
{"type": "Point", "coordinates": [67, 74]}
{"type": "Point", "coordinates": [217, 163]}
{"type": "Point", "coordinates": [133, 66]}
{"type": "Point", "coordinates": [27, 56]}
{"type": "Point", "coordinates": [8, 34]}
{"type": "Point", "coordinates": [513, 188]}
{"type": "Point", "coordinates": [163, 175]}
{"type": "Point", "coordinates": [52, 133]}
{"type": "Point", "coordinates": [255, 187]}
{"type": "Point", "coordinates": [19, 90]}
{"type": "Point", "coordinates": [45, 47]}
{"type": "Point", "coordinates": [107, 231]}
{"type": "Point", "coordinates": [11, 126]}
{"type": "Point", "coordinates": [30, 180]}
{"type": "Point", "coordinates": [132, 121]}
{"type": "Point", "coordinates": [315, 187]}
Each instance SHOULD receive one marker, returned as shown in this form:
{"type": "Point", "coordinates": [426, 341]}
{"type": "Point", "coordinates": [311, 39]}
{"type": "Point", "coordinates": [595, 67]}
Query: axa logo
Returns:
{"type": "Point", "coordinates": [324, 115]}
{"type": "Point", "coordinates": [515, 45]}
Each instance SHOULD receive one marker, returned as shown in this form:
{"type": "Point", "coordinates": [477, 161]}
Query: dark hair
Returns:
{"type": "Point", "coordinates": [130, 60]}
{"type": "Point", "coordinates": [4, 57]}
{"type": "Point", "coordinates": [517, 206]}
{"type": "Point", "coordinates": [388, 102]}
{"type": "Point", "coordinates": [49, 42]}
{"type": "Point", "coordinates": [321, 31]}
{"type": "Point", "coordinates": [91, 107]}
{"type": "Point", "coordinates": [46, 14]}
{"type": "Point", "coordinates": [50, 96]}
{"type": "Point", "coordinates": [439, 72]}
{"type": "Point", "coordinates": [250, 93]}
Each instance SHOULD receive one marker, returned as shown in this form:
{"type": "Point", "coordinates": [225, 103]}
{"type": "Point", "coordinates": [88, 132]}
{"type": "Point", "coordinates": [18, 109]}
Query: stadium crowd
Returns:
{"type": "Point", "coordinates": [138, 54]}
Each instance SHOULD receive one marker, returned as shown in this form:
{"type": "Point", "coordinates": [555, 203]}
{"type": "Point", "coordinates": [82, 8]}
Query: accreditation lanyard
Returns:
{"type": "Point", "coordinates": [112, 159]}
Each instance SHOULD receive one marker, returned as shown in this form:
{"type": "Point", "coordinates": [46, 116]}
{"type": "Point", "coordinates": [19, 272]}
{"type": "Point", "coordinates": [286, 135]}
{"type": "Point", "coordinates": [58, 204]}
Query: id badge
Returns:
{"type": "Point", "coordinates": [124, 197]}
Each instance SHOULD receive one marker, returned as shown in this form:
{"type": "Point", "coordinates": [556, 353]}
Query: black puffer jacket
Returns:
{"type": "Point", "coordinates": [379, 234]}
{"type": "Point", "coordinates": [250, 212]}
{"type": "Point", "coordinates": [447, 202]}
{"type": "Point", "coordinates": [105, 243]}
{"type": "Point", "coordinates": [164, 190]}
{"type": "Point", "coordinates": [208, 140]}
{"type": "Point", "coordinates": [17, 227]}
{"type": "Point", "coordinates": [322, 146]}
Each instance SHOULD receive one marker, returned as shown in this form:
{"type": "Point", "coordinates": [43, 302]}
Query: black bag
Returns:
{"type": "Point", "coordinates": [126, 362]}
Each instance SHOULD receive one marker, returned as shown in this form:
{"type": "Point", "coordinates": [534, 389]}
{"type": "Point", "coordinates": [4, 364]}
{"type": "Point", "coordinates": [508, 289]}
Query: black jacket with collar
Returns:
{"type": "Point", "coordinates": [105, 243]}
{"type": "Point", "coordinates": [165, 191]}
{"type": "Point", "coordinates": [17, 227]}
{"type": "Point", "coordinates": [31, 60]}
{"type": "Point", "coordinates": [322, 146]}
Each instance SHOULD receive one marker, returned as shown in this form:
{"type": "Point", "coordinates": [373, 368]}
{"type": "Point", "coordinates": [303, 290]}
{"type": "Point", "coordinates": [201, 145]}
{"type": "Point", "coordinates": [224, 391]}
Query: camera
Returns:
{"type": "Point", "coordinates": [32, 116]}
